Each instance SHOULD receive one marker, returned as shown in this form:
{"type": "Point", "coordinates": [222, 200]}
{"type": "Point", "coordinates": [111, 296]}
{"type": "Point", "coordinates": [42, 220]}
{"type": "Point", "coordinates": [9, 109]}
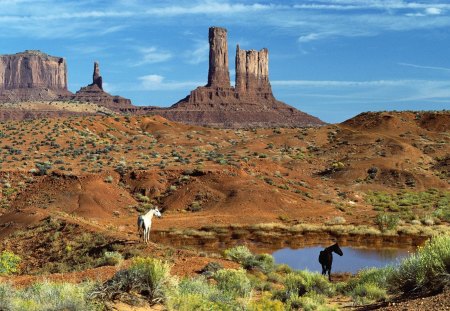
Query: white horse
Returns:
{"type": "Point", "coordinates": [144, 223]}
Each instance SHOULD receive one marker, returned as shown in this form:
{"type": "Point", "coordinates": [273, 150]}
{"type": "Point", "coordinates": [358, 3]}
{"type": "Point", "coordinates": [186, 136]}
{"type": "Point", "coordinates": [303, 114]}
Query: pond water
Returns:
{"type": "Point", "coordinates": [353, 260]}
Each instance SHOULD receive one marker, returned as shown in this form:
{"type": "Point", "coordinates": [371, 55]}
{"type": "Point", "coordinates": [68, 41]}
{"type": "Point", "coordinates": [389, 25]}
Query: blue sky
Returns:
{"type": "Point", "coordinates": [330, 58]}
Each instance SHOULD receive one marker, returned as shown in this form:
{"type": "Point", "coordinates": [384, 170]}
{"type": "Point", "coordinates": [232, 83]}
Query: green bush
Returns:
{"type": "Point", "coordinates": [6, 296]}
{"type": "Point", "coordinates": [9, 262]}
{"type": "Point", "coordinates": [308, 302]}
{"type": "Point", "coordinates": [242, 255]}
{"type": "Point", "coordinates": [426, 271]}
{"type": "Point", "coordinates": [198, 294]}
{"type": "Point", "coordinates": [210, 268]}
{"type": "Point", "coordinates": [146, 276]}
{"type": "Point", "coordinates": [365, 293]}
{"type": "Point", "coordinates": [263, 262]}
{"type": "Point", "coordinates": [301, 282]}
{"type": "Point", "coordinates": [266, 304]}
{"type": "Point", "coordinates": [238, 254]}
{"type": "Point", "coordinates": [372, 275]}
{"type": "Point", "coordinates": [155, 277]}
{"type": "Point", "coordinates": [386, 221]}
{"type": "Point", "coordinates": [111, 259]}
{"type": "Point", "coordinates": [43, 167]}
{"type": "Point", "coordinates": [48, 296]}
{"type": "Point", "coordinates": [192, 294]}
{"type": "Point", "coordinates": [234, 282]}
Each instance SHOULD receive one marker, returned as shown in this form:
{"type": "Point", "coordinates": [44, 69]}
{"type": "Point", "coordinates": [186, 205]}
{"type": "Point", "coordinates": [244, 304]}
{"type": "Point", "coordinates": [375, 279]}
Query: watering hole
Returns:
{"type": "Point", "coordinates": [353, 260]}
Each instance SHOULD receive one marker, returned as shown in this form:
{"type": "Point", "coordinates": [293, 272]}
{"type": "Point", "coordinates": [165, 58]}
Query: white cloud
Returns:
{"type": "Point", "coordinates": [155, 82]}
{"type": "Point", "coordinates": [318, 19]}
{"type": "Point", "coordinates": [433, 11]}
{"type": "Point", "coordinates": [424, 67]}
{"type": "Point", "coordinates": [152, 55]}
{"type": "Point", "coordinates": [208, 8]}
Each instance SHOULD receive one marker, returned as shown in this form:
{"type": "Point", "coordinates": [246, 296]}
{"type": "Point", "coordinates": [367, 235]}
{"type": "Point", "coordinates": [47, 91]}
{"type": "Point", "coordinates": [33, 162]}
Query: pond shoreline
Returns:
{"type": "Point", "coordinates": [269, 237]}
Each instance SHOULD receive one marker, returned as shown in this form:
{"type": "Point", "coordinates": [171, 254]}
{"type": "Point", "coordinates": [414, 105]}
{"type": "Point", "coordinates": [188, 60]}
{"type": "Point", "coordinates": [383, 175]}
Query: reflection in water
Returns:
{"type": "Point", "coordinates": [354, 259]}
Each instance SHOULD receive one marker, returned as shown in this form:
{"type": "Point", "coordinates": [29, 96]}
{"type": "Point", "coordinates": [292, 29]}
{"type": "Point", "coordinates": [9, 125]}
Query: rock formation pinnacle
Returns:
{"type": "Point", "coordinates": [97, 78]}
{"type": "Point", "coordinates": [218, 74]}
{"type": "Point", "coordinates": [94, 93]}
{"type": "Point", "coordinates": [249, 104]}
{"type": "Point", "coordinates": [252, 71]}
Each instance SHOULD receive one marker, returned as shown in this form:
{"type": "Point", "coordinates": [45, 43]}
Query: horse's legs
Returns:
{"type": "Point", "coordinates": [324, 270]}
{"type": "Point", "coordinates": [329, 273]}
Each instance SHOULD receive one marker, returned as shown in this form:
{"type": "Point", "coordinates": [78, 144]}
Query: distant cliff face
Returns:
{"type": "Point", "coordinates": [32, 69]}
{"type": "Point", "coordinates": [31, 76]}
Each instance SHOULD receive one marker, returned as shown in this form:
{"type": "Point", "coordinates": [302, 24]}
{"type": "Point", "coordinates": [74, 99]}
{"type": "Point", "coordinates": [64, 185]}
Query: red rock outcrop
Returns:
{"type": "Point", "coordinates": [32, 75]}
{"type": "Point", "coordinates": [249, 104]}
{"type": "Point", "coordinates": [252, 72]}
{"type": "Point", "coordinates": [94, 93]}
{"type": "Point", "coordinates": [96, 77]}
{"type": "Point", "coordinates": [218, 74]}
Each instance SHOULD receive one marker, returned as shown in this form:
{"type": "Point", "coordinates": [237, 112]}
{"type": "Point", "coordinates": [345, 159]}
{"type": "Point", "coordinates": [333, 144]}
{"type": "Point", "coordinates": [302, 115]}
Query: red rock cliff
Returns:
{"type": "Point", "coordinates": [32, 69]}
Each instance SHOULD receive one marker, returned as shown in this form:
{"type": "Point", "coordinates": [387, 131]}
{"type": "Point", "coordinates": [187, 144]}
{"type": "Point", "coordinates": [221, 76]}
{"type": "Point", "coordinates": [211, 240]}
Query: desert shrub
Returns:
{"type": "Point", "coordinates": [425, 271]}
{"type": "Point", "coordinates": [238, 254]}
{"type": "Point", "coordinates": [155, 275]}
{"type": "Point", "coordinates": [369, 285]}
{"type": "Point", "coordinates": [241, 254]}
{"type": "Point", "coordinates": [210, 268]}
{"type": "Point", "coordinates": [195, 206]}
{"type": "Point", "coordinates": [263, 262]}
{"type": "Point", "coordinates": [283, 268]}
{"type": "Point", "coordinates": [9, 262]}
{"type": "Point", "coordinates": [372, 275]}
{"type": "Point", "coordinates": [369, 292]}
{"type": "Point", "coordinates": [43, 167]}
{"type": "Point", "coordinates": [266, 304]}
{"type": "Point", "coordinates": [234, 282]}
{"type": "Point", "coordinates": [147, 276]}
{"type": "Point", "coordinates": [192, 294]}
{"type": "Point", "coordinates": [198, 294]}
{"type": "Point", "coordinates": [308, 302]}
{"type": "Point", "coordinates": [6, 296]}
{"type": "Point", "coordinates": [301, 282]}
{"type": "Point", "coordinates": [111, 259]}
{"type": "Point", "coordinates": [338, 220]}
{"type": "Point", "coordinates": [386, 221]}
{"type": "Point", "coordinates": [54, 296]}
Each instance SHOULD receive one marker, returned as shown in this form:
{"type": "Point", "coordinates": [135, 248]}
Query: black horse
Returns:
{"type": "Point", "coordinates": [326, 258]}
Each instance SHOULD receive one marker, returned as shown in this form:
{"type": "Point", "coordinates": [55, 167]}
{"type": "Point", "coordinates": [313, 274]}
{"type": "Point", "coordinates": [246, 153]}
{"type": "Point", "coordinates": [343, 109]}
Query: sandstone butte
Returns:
{"type": "Point", "coordinates": [33, 75]}
{"type": "Point", "coordinates": [250, 103]}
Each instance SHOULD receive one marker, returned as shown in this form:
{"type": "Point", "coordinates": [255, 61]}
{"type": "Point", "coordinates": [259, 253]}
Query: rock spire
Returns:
{"type": "Point", "coordinates": [218, 74]}
{"type": "Point", "coordinates": [249, 104]}
{"type": "Point", "coordinates": [97, 78]}
{"type": "Point", "coordinates": [252, 71]}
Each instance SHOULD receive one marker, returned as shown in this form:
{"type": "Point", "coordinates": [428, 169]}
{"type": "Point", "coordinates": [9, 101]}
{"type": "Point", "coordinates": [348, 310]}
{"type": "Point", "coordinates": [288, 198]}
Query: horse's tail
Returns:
{"type": "Point", "coordinates": [322, 259]}
{"type": "Point", "coordinates": [140, 223]}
